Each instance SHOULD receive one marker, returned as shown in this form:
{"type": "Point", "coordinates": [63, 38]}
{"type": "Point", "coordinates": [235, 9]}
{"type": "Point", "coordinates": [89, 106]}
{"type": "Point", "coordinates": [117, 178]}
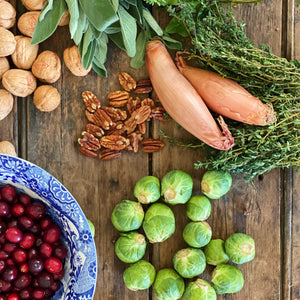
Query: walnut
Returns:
{"type": "Point", "coordinates": [7, 42]}
{"type": "Point", "coordinates": [4, 65]}
{"type": "Point", "coordinates": [46, 98]}
{"type": "Point", "coordinates": [34, 4]}
{"type": "Point", "coordinates": [6, 103]}
{"type": "Point", "coordinates": [7, 15]}
{"type": "Point", "coordinates": [7, 148]}
{"type": "Point", "coordinates": [27, 22]}
{"type": "Point", "coordinates": [72, 60]}
{"type": "Point", "coordinates": [19, 82]}
{"type": "Point", "coordinates": [65, 19]}
{"type": "Point", "coordinates": [47, 67]}
{"type": "Point", "coordinates": [25, 53]}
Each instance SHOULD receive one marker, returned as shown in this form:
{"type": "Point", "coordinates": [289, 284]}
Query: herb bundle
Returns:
{"type": "Point", "coordinates": [219, 43]}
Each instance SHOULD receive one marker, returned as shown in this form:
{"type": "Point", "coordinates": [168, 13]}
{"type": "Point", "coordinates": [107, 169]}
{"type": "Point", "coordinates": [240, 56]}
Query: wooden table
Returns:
{"type": "Point", "coordinates": [267, 208]}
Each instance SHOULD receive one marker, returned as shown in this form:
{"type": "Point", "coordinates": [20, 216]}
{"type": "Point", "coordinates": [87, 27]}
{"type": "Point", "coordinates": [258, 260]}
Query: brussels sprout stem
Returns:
{"type": "Point", "coordinates": [170, 194]}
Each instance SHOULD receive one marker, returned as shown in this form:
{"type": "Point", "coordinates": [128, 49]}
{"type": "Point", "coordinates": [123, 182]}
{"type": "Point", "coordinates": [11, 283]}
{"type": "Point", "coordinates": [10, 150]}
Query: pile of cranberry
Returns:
{"type": "Point", "coordinates": [31, 251]}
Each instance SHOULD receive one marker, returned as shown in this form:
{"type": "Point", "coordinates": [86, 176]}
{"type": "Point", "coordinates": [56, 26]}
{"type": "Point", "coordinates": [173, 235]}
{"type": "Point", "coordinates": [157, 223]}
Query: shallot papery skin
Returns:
{"type": "Point", "coordinates": [226, 97]}
{"type": "Point", "coordinates": [181, 100]}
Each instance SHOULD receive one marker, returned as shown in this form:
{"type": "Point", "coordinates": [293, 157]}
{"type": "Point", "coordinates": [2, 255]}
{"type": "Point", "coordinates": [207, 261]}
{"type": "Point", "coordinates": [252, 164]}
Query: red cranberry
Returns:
{"type": "Point", "coordinates": [10, 273]}
{"type": "Point", "coordinates": [52, 234]}
{"type": "Point", "coordinates": [24, 199]}
{"type": "Point", "coordinates": [55, 286]}
{"type": "Point", "coordinates": [32, 253]}
{"type": "Point", "coordinates": [10, 262]}
{"type": "Point", "coordinates": [22, 281]}
{"type": "Point", "coordinates": [36, 265]}
{"type": "Point", "coordinates": [45, 250]}
{"type": "Point", "coordinates": [12, 223]}
{"type": "Point", "coordinates": [19, 255]}
{"type": "Point", "coordinates": [27, 241]}
{"type": "Point", "coordinates": [4, 209]}
{"type": "Point", "coordinates": [39, 241]}
{"type": "Point", "coordinates": [2, 227]}
{"type": "Point", "coordinates": [2, 297]}
{"type": "Point", "coordinates": [24, 268]}
{"type": "Point", "coordinates": [8, 193]}
{"type": "Point", "coordinates": [45, 222]}
{"type": "Point", "coordinates": [18, 210]}
{"type": "Point", "coordinates": [26, 293]}
{"type": "Point", "coordinates": [5, 286]}
{"type": "Point", "coordinates": [36, 210]}
{"type": "Point", "coordinates": [13, 296]}
{"type": "Point", "coordinates": [60, 252]}
{"type": "Point", "coordinates": [53, 265]}
{"type": "Point", "coordinates": [59, 275]}
{"type": "Point", "coordinates": [13, 234]}
{"type": "Point", "coordinates": [10, 247]}
{"type": "Point", "coordinates": [2, 239]}
{"type": "Point", "coordinates": [38, 293]}
{"type": "Point", "coordinates": [2, 265]}
{"type": "Point", "coordinates": [25, 222]}
{"type": "Point", "coordinates": [45, 280]}
{"type": "Point", "coordinates": [35, 229]}
{"type": "Point", "coordinates": [3, 254]}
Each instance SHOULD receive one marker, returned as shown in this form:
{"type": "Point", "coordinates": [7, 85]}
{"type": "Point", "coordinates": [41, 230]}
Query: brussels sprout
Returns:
{"type": "Point", "coordinates": [215, 184]}
{"type": "Point", "coordinates": [92, 227]}
{"type": "Point", "coordinates": [176, 187]}
{"type": "Point", "coordinates": [189, 262]}
{"type": "Point", "coordinates": [215, 253]}
{"type": "Point", "coordinates": [227, 279]}
{"type": "Point", "coordinates": [147, 189]}
{"type": "Point", "coordinates": [127, 215]}
{"type": "Point", "coordinates": [159, 223]}
{"type": "Point", "coordinates": [139, 276]}
{"type": "Point", "coordinates": [168, 285]}
{"type": "Point", "coordinates": [130, 247]}
{"type": "Point", "coordinates": [240, 248]}
{"type": "Point", "coordinates": [199, 290]}
{"type": "Point", "coordinates": [198, 208]}
{"type": "Point", "coordinates": [197, 234]}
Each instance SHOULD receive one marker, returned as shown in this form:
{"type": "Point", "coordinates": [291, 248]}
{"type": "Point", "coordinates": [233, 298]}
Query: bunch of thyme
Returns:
{"type": "Point", "coordinates": [219, 43]}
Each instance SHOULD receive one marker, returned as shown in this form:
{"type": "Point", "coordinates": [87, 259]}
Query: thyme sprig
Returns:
{"type": "Point", "coordinates": [219, 43]}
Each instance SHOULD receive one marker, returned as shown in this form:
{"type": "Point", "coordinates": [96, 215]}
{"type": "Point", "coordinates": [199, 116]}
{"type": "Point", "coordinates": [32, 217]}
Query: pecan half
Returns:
{"type": "Point", "coordinates": [116, 114]}
{"type": "Point", "coordinates": [133, 104]}
{"type": "Point", "coordinates": [149, 102]}
{"type": "Point", "coordinates": [117, 128]}
{"type": "Point", "coordinates": [94, 130]}
{"type": "Point", "coordinates": [91, 101]}
{"type": "Point", "coordinates": [114, 142]}
{"type": "Point", "coordinates": [152, 145]}
{"type": "Point", "coordinates": [106, 154]}
{"type": "Point", "coordinates": [87, 152]}
{"type": "Point", "coordinates": [141, 114]}
{"type": "Point", "coordinates": [158, 113]}
{"type": "Point", "coordinates": [142, 128]}
{"type": "Point", "coordinates": [130, 125]}
{"type": "Point", "coordinates": [143, 86]}
{"type": "Point", "coordinates": [127, 82]}
{"type": "Point", "coordinates": [118, 98]}
{"type": "Point", "coordinates": [99, 118]}
{"type": "Point", "coordinates": [89, 141]}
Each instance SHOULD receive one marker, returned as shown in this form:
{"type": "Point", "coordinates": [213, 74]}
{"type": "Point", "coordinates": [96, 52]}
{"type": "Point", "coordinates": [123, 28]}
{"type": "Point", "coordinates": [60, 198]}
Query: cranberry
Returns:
{"type": "Point", "coordinates": [26, 293]}
{"type": "Point", "coordinates": [36, 210]}
{"type": "Point", "coordinates": [13, 296]}
{"type": "Point", "coordinates": [45, 250]}
{"type": "Point", "coordinates": [3, 254]}
{"type": "Point", "coordinates": [2, 227]}
{"type": "Point", "coordinates": [25, 222]}
{"type": "Point", "coordinates": [45, 280]}
{"type": "Point", "coordinates": [2, 297]}
{"type": "Point", "coordinates": [2, 239]}
{"type": "Point", "coordinates": [60, 252]}
{"type": "Point", "coordinates": [10, 273]}
{"type": "Point", "coordinates": [22, 281]}
{"type": "Point", "coordinates": [59, 275]}
{"type": "Point", "coordinates": [38, 293]}
{"type": "Point", "coordinates": [5, 286]}
{"type": "Point", "coordinates": [19, 255]}
{"type": "Point", "coordinates": [10, 247]}
{"type": "Point", "coordinates": [24, 199]}
{"type": "Point", "coordinates": [32, 253]}
{"type": "Point", "coordinates": [10, 262]}
{"type": "Point", "coordinates": [35, 229]}
{"type": "Point", "coordinates": [55, 286]}
{"type": "Point", "coordinates": [2, 265]}
{"type": "Point", "coordinates": [36, 265]}
{"type": "Point", "coordinates": [45, 222]}
{"type": "Point", "coordinates": [27, 241]}
{"type": "Point", "coordinates": [24, 268]}
{"type": "Point", "coordinates": [8, 193]}
{"type": "Point", "coordinates": [53, 265]}
{"type": "Point", "coordinates": [39, 241]}
{"type": "Point", "coordinates": [12, 223]}
{"type": "Point", "coordinates": [13, 234]}
{"type": "Point", "coordinates": [4, 209]}
{"type": "Point", "coordinates": [18, 210]}
{"type": "Point", "coordinates": [52, 234]}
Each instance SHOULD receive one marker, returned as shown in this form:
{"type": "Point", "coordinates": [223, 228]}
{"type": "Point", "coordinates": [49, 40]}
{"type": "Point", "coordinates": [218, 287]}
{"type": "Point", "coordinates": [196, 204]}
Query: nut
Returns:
{"type": "Point", "coordinates": [99, 118]}
{"type": "Point", "coordinates": [87, 152]}
{"type": "Point", "coordinates": [47, 67]}
{"type": "Point", "coordinates": [133, 104]}
{"type": "Point", "coordinates": [72, 60]}
{"type": "Point", "coordinates": [46, 98]}
{"type": "Point", "coordinates": [117, 128]}
{"type": "Point", "coordinates": [143, 86]}
{"type": "Point", "coordinates": [6, 103]}
{"type": "Point", "coordinates": [7, 42]}
{"type": "Point", "coordinates": [114, 142]}
{"type": "Point", "coordinates": [94, 130]}
{"type": "Point", "coordinates": [91, 102]}
{"type": "Point", "coordinates": [116, 114]}
{"type": "Point", "coordinates": [152, 145]}
{"type": "Point", "coordinates": [65, 19]}
{"type": "Point", "coordinates": [27, 22]}
{"type": "Point", "coordinates": [7, 148]}
{"type": "Point", "coordinates": [19, 82]}
{"type": "Point", "coordinates": [89, 141]}
{"type": "Point", "coordinates": [4, 65]}
{"type": "Point", "coordinates": [106, 154]}
{"type": "Point", "coordinates": [118, 98]}
{"type": "Point", "coordinates": [127, 82]}
{"type": "Point", "coordinates": [34, 4]}
{"type": "Point", "coordinates": [7, 15]}
{"type": "Point", "coordinates": [25, 53]}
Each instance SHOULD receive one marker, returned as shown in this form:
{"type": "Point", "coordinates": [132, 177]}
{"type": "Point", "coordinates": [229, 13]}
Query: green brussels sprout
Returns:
{"type": "Point", "coordinates": [240, 248]}
{"type": "Point", "coordinates": [176, 187]}
{"type": "Point", "coordinates": [127, 215]}
{"type": "Point", "coordinates": [147, 189]}
{"type": "Point", "coordinates": [92, 227]}
{"type": "Point", "coordinates": [227, 279]}
{"type": "Point", "coordinates": [130, 247]}
{"type": "Point", "coordinates": [168, 285]}
{"type": "Point", "coordinates": [159, 223]}
{"type": "Point", "coordinates": [198, 208]}
{"type": "Point", "coordinates": [189, 262]}
{"type": "Point", "coordinates": [197, 234]}
{"type": "Point", "coordinates": [139, 276]}
{"type": "Point", "coordinates": [215, 252]}
{"type": "Point", "coordinates": [199, 290]}
{"type": "Point", "coordinates": [215, 184]}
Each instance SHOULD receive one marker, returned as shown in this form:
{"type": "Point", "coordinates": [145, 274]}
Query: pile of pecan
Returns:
{"type": "Point", "coordinates": [122, 124]}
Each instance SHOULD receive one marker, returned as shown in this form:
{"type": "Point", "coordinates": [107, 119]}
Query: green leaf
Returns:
{"type": "Point", "coordinates": [152, 22]}
{"type": "Point", "coordinates": [47, 7]}
{"type": "Point", "coordinates": [81, 26]}
{"type": "Point", "coordinates": [74, 16]}
{"type": "Point", "coordinates": [100, 70]}
{"type": "Point", "coordinates": [89, 54]}
{"type": "Point", "coordinates": [139, 59]}
{"type": "Point", "coordinates": [128, 30]}
{"type": "Point", "coordinates": [171, 43]}
{"type": "Point", "coordinates": [101, 13]}
{"type": "Point", "coordinates": [114, 28]}
{"type": "Point", "coordinates": [117, 38]}
{"type": "Point", "coordinates": [137, 12]}
{"type": "Point", "coordinates": [177, 26]}
{"type": "Point", "coordinates": [48, 25]}
{"type": "Point", "coordinates": [115, 4]}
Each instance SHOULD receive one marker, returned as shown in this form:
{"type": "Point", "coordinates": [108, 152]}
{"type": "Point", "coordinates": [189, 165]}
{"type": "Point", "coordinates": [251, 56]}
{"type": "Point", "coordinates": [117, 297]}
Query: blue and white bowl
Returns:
{"type": "Point", "coordinates": [79, 281]}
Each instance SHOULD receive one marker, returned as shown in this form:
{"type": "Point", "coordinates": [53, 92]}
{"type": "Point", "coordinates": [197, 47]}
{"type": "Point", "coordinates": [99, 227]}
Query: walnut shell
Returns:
{"type": "Point", "coordinates": [72, 60]}
{"type": "Point", "coordinates": [7, 148]}
{"type": "Point", "coordinates": [27, 22]}
{"type": "Point", "coordinates": [34, 4]}
{"type": "Point", "coordinates": [19, 82]}
{"type": "Point", "coordinates": [7, 42]}
{"type": "Point", "coordinates": [4, 65]}
{"type": "Point", "coordinates": [65, 19]}
{"type": "Point", "coordinates": [25, 53]}
{"type": "Point", "coordinates": [6, 103]}
{"type": "Point", "coordinates": [7, 15]}
{"type": "Point", "coordinates": [47, 67]}
{"type": "Point", "coordinates": [46, 98]}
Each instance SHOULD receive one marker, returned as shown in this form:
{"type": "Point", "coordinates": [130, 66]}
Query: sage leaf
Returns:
{"type": "Point", "coordinates": [117, 38]}
{"type": "Point", "coordinates": [125, 4]}
{"type": "Point", "coordinates": [88, 56]}
{"type": "Point", "coordinates": [100, 13]}
{"type": "Point", "coordinates": [137, 12]}
{"type": "Point", "coordinates": [74, 16]}
{"type": "Point", "coordinates": [47, 7]}
{"type": "Point", "coordinates": [81, 26]}
{"type": "Point", "coordinates": [115, 4]}
{"type": "Point", "coordinates": [139, 59]}
{"type": "Point", "coordinates": [114, 28]}
{"type": "Point", "coordinates": [100, 69]}
{"type": "Point", "coordinates": [128, 30]}
{"type": "Point", "coordinates": [176, 26]}
{"type": "Point", "coordinates": [48, 25]}
{"type": "Point", "coordinates": [152, 22]}
{"type": "Point", "coordinates": [171, 43]}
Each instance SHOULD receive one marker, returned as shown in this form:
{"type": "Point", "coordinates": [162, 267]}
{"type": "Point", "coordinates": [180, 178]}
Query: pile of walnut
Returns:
{"type": "Point", "coordinates": [122, 124]}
